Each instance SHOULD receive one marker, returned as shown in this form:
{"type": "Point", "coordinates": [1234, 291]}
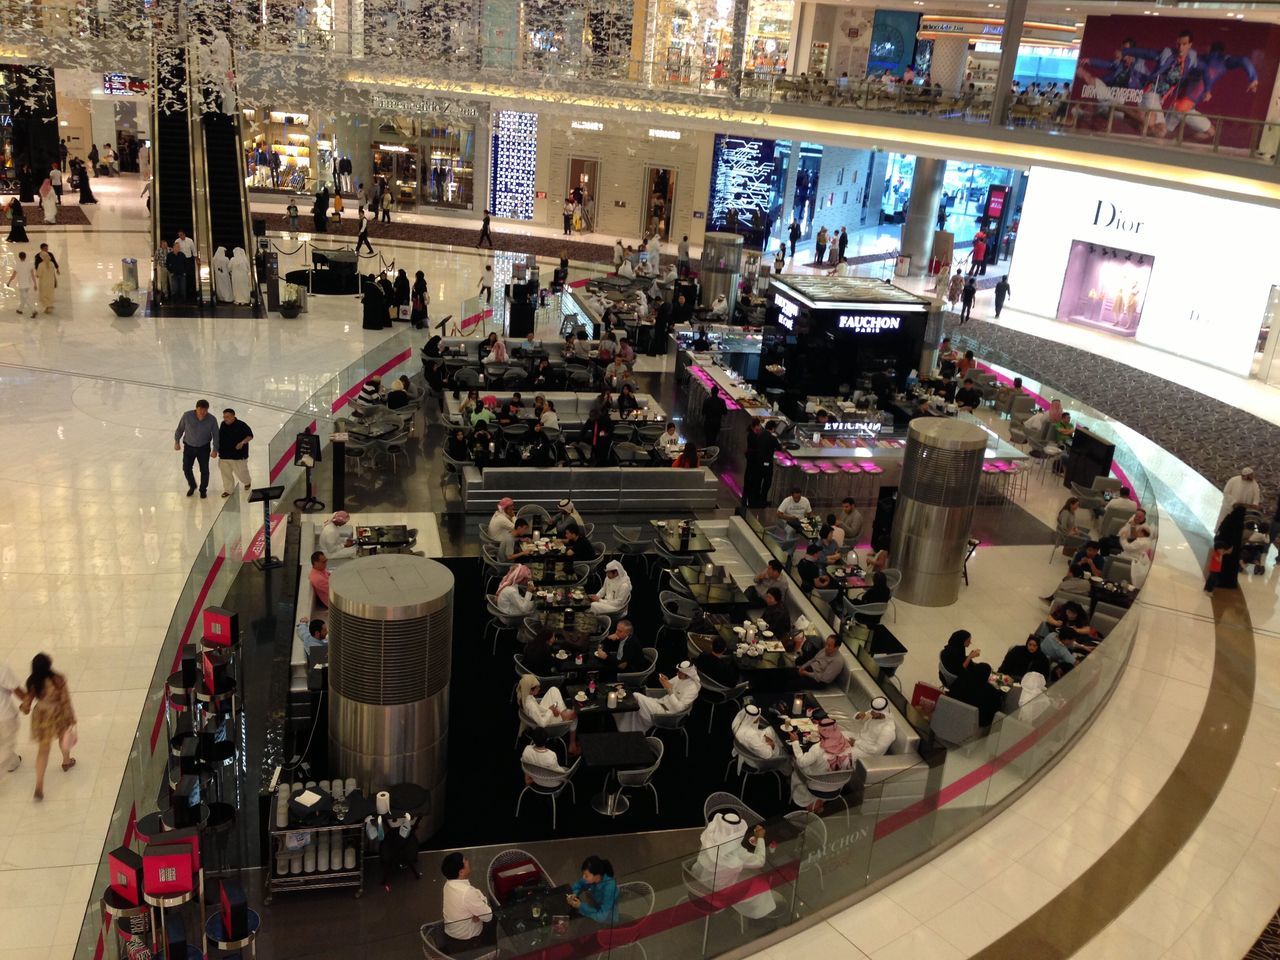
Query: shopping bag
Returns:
{"type": "Point", "coordinates": [404, 311]}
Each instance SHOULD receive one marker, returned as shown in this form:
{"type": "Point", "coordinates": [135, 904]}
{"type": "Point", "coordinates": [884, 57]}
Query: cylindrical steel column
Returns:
{"type": "Point", "coordinates": [922, 213]}
{"type": "Point", "coordinates": [941, 470]}
{"type": "Point", "coordinates": [390, 652]}
{"type": "Point", "coordinates": [720, 269]}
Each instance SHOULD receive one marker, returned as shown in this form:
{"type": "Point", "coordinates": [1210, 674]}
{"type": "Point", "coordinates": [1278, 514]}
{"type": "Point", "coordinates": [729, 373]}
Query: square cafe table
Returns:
{"type": "Point", "coordinates": [552, 573]}
{"type": "Point", "coordinates": [694, 542]}
{"type": "Point", "coordinates": [716, 591]}
{"type": "Point", "coordinates": [614, 751]}
{"type": "Point", "coordinates": [598, 703]}
{"type": "Point", "coordinates": [521, 931]}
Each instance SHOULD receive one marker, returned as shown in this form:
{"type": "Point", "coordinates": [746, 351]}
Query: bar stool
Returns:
{"type": "Point", "coordinates": [215, 935]}
{"type": "Point", "coordinates": [810, 479]}
{"type": "Point", "coordinates": [1017, 486]}
{"type": "Point", "coordinates": [850, 480]}
{"type": "Point", "coordinates": [829, 483]}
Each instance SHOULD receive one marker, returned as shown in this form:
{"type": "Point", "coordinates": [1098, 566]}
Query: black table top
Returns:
{"type": "Point", "coordinates": [515, 917]}
{"type": "Point", "coordinates": [552, 573]}
{"type": "Point", "coordinates": [394, 535]}
{"type": "Point", "coordinates": [694, 542]}
{"type": "Point", "coordinates": [599, 703]}
{"type": "Point", "coordinates": [617, 750]}
{"type": "Point", "coordinates": [884, 642]}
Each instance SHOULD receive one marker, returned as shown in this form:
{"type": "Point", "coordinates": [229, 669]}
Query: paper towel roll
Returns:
{"type": "Point", "coordinates": [324, 785]}
{"type": "Point", "coordinates": [295, 863]}
{"type": "Point", "coordinates": [309, 859]}
{"type": "Point", "coordinates": [282, 809]}
{"type": "Point", "coordinates": [349, 859]}
{"type": "Point", "coordinates": [338, 788]}
{"type": "Point", "coordinates": [322, 852]}
{"type": "Point", "coordinates": [335, 857]}
{"type": "Point", "coordinates": [295, 787]}
{"type": "Point", "coordinates": [351, 785]}
{"type": "Point", "coordinates": [282, 866]}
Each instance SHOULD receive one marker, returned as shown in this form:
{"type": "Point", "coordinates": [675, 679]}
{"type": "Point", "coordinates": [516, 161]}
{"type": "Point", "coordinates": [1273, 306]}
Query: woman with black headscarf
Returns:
{"type": "Point", "coordinates": [375, 305]}
{"type": "Point", "coordinates": [1026, 658]}
{"type": "Point", "coordinates": [956, 655]}
{"type": "Point", "coordinates": [1231, 537]}
{"type": "Point", "coordinates": [401, 288]}
{"type": "Point", "coordinates": [973, 687]}
{"type": "Point", "coordinates": [419, 298]}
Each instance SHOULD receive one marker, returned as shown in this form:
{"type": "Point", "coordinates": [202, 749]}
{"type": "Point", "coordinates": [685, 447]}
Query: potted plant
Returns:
{"type": "Point", "coordinates": [123, 305]}
{"type": "Point", "coordinates": [291, 301]}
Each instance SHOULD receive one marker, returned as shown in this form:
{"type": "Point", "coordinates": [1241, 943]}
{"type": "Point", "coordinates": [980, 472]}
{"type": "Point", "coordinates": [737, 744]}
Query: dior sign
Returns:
{"type": "Point", "coordinates": [404, 106]}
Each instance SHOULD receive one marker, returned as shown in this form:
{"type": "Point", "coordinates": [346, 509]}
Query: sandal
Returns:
{"type": "Point", "coordinates": [69, 764]}
{"type": "Point", "coordinates": [39, 794]}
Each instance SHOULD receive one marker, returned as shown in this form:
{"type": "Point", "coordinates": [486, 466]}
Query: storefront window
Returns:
{"type": "Point", "coordinates": [278, 150]}
{"type": "Point", "coordinates": [695, 38]}
{"type": "Point", "coordinates": [964, 190]}
{"type": "Point", "coordinates": [768, 35]}
{"type": "Point", "coordinates": [429, 161]}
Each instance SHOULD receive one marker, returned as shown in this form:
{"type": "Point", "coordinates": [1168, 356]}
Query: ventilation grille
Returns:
{"type": "Point", "coordinates": [390, 661]}
{"type": "Point", "coordinates": [941, 478]}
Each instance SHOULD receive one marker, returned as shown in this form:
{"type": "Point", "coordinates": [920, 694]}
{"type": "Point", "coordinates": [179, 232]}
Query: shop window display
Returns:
{"type": "Point", "coordinates": [278, 152]}
{"type": "Point", "coordinates": [1104, 288]}
{"type": "Point", "coordinates": [768, 36]}
{"type": "Point", "coordinates": [429, 162]}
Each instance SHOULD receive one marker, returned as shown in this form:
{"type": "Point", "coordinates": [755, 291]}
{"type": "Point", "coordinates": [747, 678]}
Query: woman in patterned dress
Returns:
{"type": "Point", "coordinates": [48, 699]}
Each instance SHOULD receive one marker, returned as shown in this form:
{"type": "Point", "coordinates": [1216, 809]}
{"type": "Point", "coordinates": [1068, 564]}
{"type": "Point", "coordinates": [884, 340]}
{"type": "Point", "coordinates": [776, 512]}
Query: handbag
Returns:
{"type": "Point", "coordinates": [70, 737]}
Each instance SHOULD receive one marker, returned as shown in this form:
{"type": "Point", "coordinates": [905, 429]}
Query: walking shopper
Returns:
{"type": "Point", "coordinates": [47, 699]}
{"type": "Point", "coordinates": [55, 178]}
{"type": "Point", "coordinates": [197, 438]}
{"type": "Point", "coordinates": [93, 159]}
{"type": "Point", "coordinates": [1216, 558]}
{"type": "Point", "coordinates": [363, 238]}
{"type": "Point", "coordinates": [46, 277]}
{"type": "Point", "coordinates": [484, 231]}
{"type": "Point", "coordinates": [793, 234]}
{"type": "Point", "coordinates": [233, 441]}
{"type": "Point", "coordinates": [386, 205]}
{"type": "Point", "coordinates": [967, 295]}
{"type": "Point", "coordinates": [1002, 294]}
{"type": "Point", "coordinates": [486, 284]}
{"type": "Point", "coordinates": [48, 202]}
{"type": "Point", "coordinates": [81, 174]}
{"type": "Point", "coordinates": [820, 246]}
{"type": "Point", "coordinates": [9, 720]}
{"type": "Point", "coordinates": [17, 222]}
{"type": "Point", "coordinates": [23, 276]}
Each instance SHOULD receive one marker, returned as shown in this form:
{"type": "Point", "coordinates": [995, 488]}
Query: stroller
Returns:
{"type": "Point", "coordinates": [1257, 542]}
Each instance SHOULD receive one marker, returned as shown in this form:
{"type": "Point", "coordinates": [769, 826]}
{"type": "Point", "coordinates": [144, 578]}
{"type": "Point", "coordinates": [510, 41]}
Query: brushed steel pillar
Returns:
{"type": "Point", "coordinates": [941, 470]}
{"type": "Point", "coordinates": [720, 268]}
{"type": "Point", "coordinates": [390, 652]}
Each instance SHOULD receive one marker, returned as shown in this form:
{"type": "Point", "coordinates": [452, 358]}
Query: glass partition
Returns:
{"type": "Point", "coordinates": [707, 900]}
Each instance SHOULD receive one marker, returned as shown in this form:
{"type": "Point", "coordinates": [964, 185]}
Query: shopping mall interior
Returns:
{"type": "Point", "coordinates": [396, 390]}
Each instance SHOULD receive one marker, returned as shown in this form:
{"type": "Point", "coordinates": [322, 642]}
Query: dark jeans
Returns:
{"type": "Point", "coordinates": [1211, 581]}
{"type": "Point", "coordinates": [198, 455]}
{"type": "Point", "coordinates": [965, 310]}
{"type": "Point", "coordinates": [484, 235]}
{"type": "Point", "coordinates": [568, 224]}
{"type": "Point", "coordinates": [386, 214]}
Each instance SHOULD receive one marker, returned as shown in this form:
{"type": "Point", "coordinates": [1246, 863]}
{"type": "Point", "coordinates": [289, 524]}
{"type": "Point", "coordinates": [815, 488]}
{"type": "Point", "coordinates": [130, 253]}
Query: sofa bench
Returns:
{"type": "Point", "coordinates": [592, 489]}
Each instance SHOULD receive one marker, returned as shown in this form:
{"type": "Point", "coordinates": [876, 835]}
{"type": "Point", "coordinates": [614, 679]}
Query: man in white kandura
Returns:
{"type": "Point", "coordinates": [677, 697]}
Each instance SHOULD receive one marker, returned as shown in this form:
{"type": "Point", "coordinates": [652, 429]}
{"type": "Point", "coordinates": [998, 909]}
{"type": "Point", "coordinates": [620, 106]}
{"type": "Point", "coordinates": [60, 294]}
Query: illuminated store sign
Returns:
{"type": "Point", "coordinates": [869, 323]}
{"type": "Point", "coordinates": [594, 125]}
{"type": "Point", "coordinates": [664, 134]}
{"type": "Point", "coordinates": [515, 156]}
{"type": "Point", "coordinates": [122, 85]}
{"type": "Point", "coordinates": [393, 148]}
{"type": "Point", "coordinates": [404, 106]}
{"type": "Point", "coordinates": [863, 428]}
{"type": "Point", "coordinates": [788, 313]}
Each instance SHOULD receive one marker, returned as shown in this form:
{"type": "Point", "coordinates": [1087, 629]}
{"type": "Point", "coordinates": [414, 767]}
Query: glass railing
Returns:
{"type": "Point", "coordinates": [409, 50]}
{"type": "Point", "coordinates": [218, 561]}
{"type": "Point", "coordinates": [711, 900]}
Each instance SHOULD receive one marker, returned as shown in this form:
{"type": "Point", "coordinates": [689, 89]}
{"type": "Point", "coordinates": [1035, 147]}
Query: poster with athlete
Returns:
{"type": "Point", "coordinates": [1176, 78]}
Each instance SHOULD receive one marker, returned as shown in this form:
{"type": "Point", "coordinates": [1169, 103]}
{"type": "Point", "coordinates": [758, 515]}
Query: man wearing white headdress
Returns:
{"type": "Point", "coordinates": [615, 593]}
{"type": "Point", "coordinates": [752, 733]}
{"type": "Point", "coordinates": [877, 733]}
{"type": "Point", "coordinates": [724, 856]}
{"type": "Point", "coordinates": [239, 275]}
{"type": "Point", "coordinates": [337, 539]}
{"type": "Point", "coordinates": [677, 697]}
{"type": "Point", "coordinates": [1032, 701]}
{"type": "Point", "coordinates": [568, 514]}
{"type": "Point", "coordinates": [222, 276]}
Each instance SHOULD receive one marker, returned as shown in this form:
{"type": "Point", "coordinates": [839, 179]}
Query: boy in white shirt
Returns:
{"type": "Point", "coordinates": [24, 277]}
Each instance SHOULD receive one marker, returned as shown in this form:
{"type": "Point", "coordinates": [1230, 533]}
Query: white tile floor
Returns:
{"type": "Point", "coordinates": [97, 540]}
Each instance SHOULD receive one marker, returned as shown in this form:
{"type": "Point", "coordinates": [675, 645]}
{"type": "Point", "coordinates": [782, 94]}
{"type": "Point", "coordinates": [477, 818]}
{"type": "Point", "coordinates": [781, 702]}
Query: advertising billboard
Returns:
{"type": "Point", "coordinates": [742, 185]}
{"type": "Point", "coordinates": [1195, 79]}
{"type": "Point", "coordinates": [1142, 262]}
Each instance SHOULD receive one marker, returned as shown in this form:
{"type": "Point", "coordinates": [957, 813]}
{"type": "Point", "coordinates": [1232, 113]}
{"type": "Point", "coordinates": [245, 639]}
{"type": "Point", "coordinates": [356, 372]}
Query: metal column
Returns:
{"type": "Point", "coordinates": [390, 652]}
{"type": "Point", "coordinates": [941, 470]}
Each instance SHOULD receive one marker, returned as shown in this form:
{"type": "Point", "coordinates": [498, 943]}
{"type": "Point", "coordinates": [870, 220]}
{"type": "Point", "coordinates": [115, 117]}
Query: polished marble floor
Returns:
{"type": "Point", "coordinates": [98, 537]}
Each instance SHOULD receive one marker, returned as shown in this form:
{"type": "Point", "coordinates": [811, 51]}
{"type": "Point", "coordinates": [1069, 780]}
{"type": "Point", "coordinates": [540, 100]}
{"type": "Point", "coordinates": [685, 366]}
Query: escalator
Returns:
{"type": "Point", "coordinates": [171, 191]}
{"type": "Point", "coordinates": [224, 182]}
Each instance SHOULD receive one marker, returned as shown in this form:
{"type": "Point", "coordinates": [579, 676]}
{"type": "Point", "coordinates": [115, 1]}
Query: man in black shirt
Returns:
{"type": "Point", "coordinates": [776, 616]}
{"type": "Point", "coordinates": [233, 452]}
{"type": "Point", "coordinates": [577, 546]}
{"type": "Point", "coordinates": [968, 397]}
{"type": "Point", "coordinates": [810, 569]}
{"type": "Point", "coordinates": [713, 411]}
{"type": "Point", "coordinates": [766, 446]}
{"type": "Point", "coordinates": [716, 665]}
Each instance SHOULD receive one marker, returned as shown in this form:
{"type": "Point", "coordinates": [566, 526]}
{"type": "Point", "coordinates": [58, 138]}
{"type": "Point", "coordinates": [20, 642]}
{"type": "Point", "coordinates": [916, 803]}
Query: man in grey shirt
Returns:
{"type": "Point", "coordinates": [825, 665]}
{"type": "Point", "coordinates": [197, 438]}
